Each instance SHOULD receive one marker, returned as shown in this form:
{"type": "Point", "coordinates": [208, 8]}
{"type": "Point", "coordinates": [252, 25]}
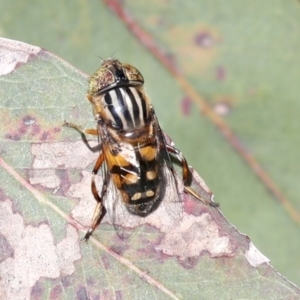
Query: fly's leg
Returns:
{"type": "Point", "coordinates": [99, 211]}
{"type": "Point", "coordinates": [186, 172]}
{"type": "Point", "coordinates": [83, 133]}
{"type": "Point", "coordinates": [187, 176]}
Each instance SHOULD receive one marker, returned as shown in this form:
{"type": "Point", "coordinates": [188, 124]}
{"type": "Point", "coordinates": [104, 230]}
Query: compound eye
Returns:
{"type": "Point", "coordinates": [100, 80]}
{"type": "Point", "coordinates": [132, 73]}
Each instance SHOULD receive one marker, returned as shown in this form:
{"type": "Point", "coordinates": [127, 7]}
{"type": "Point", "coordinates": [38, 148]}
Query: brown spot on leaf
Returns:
{"type": "Point", "coordinates": [56, 292]}
{"type": "Point", "coordinates": [29, 120]}
{"type": "Point", "coordinates": [37, 291]}
{"type": "Point", "coordinates": [12, 136]}
{"type": "Point", "coordinates": [105, 261]}
{"type": "Point", "coordinates": [186, 105]}
{"type": "Point", "coordinates": [195, 46]}
{"type": "Point", "coordinates": [120, 248]}
{"type": "Point", "coordinates": [35, 130]}
{"type": "Point", "coordinates": [2, 195]}
{"type": "Point", "coordinates": [189, 262]}
{"type": "Point", "coordinates": [82, 294]}
{"type": "Point", "coordinates": [56, 129]}
{"type": "Point", "coordinates": [204, 39]}
{"type": "Point", "coordinates": [28, 127]}
{"type": "Point", "coordinates": [119, 295]}
{"type": "Point", "coordinates": [91, 281]}
{"type": "Point", "coordinates": [44, 135]}
{"type": "Point", "coordinates": [66, 281]}
{"type": "Point", "coordinates": [221, 73]}
{"type": "Point", "coordinates": [5, 249]}
{"type": "Point", "coordinates": [192, 207]}
{"type": "Point", "coordinates": [65, 181]}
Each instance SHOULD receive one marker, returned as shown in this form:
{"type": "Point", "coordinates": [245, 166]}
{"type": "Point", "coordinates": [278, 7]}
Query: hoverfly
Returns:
{"type": "Point", "coordinates": [133, 151]}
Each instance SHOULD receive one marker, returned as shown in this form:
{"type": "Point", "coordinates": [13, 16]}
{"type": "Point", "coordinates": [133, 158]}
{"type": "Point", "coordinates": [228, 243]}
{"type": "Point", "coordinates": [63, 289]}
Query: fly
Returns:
{"type": "Point", "coordinates": [134, 155]}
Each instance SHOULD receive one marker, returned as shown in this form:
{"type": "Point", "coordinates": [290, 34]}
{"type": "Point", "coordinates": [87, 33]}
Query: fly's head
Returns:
{"type": "Point", "coordinates": [113, 74]}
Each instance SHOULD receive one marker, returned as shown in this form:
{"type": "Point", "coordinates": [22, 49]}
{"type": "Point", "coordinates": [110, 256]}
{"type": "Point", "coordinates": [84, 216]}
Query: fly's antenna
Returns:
{"type": "Point", "coordinates": [111, 57]}
{"type": "Point", "coordinates": [102, 59]}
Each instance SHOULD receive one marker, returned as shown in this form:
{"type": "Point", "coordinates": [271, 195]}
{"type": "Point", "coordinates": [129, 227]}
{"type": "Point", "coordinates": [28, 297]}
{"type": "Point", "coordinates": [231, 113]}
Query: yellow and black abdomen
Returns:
{"type": "Point", "coordinates": [137, 174]}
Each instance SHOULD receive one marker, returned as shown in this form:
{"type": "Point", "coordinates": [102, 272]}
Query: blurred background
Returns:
{"type": "Point", "coordinates": [242, 57]}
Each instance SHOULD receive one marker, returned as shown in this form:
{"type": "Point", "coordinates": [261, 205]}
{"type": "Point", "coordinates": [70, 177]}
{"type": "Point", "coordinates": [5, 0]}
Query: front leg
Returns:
{"type": "Point", "coordinates": [90, 131]}
{"type": "Point", "coordinates": [83, 133]}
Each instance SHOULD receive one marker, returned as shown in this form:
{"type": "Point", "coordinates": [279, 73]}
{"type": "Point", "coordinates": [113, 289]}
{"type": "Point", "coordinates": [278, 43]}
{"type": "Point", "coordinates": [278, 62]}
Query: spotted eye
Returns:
{"type": "Point", "coordinates": [100, 81]}
{"type": "Point", "coordinates": [133, 74]}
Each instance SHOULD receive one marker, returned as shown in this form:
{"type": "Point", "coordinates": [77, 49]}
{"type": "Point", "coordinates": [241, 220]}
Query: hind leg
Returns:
{"type": "Point", "coordinates": [187, 176]}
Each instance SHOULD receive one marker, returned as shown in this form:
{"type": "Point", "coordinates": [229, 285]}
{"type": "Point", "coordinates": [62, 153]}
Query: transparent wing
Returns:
{"type": "Point", "coordinates": [124, 222]}
{"type": "Point", "coordinates": [169, 193]}
{"type": "Point", "coordinates": [172, 201]}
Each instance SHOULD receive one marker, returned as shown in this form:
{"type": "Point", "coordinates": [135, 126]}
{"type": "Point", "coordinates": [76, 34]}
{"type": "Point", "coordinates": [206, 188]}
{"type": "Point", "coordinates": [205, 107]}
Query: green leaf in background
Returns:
{"type": "Point", "coordinates": [46, 202]}
{"type": "Point", "coordinates": [241, 56]}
